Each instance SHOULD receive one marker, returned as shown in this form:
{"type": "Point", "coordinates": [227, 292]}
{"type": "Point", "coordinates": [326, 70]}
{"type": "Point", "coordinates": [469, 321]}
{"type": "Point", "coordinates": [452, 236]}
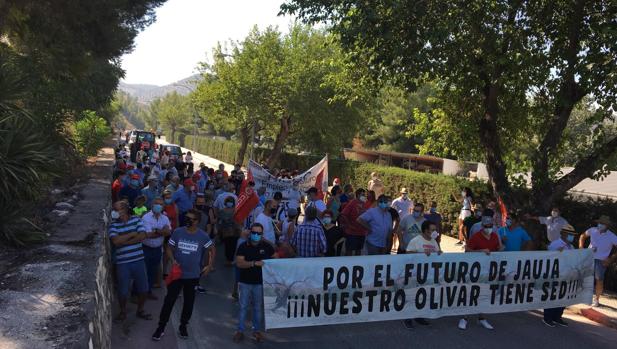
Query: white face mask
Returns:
{"type": "Point", "coordinates": [434, 234]}
{"type": "Point", "coordinates": [463, 194]}
{"type": "Point", "coordinates": [362, 198]}
{"type": "Point", "coordinates": [601, 226]}
{"type": "Point", "coordinates": [115, 214]}
{"type": "Point", "coordinates": [488, 230]}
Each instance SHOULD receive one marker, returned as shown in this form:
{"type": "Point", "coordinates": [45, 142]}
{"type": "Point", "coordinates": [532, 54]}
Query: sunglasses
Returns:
{"type": "Point", "coordinates": [256, 232]}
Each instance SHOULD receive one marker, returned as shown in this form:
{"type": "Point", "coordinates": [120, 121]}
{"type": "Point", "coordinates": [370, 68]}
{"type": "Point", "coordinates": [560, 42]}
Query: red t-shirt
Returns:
{"type": "Point", "coordinates": [172, 214]}
{"type": "Point", "coordinates": [349, 217]}
{"type": "Point", "coordinates": [479, 242]}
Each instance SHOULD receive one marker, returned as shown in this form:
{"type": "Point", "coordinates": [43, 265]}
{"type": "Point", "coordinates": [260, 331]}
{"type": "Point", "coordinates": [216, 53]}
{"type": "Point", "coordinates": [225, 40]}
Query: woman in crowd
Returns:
{"type": "Point", "coordinates": [334, 202]}
{"type": "Point", "coordinates": [467, 200]}
{"type": "Point", "coordinates": [228, 229]}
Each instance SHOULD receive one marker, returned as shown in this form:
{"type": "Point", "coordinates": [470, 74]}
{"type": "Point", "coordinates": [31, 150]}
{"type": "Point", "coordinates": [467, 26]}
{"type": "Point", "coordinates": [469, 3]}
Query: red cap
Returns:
{"type": "Point", "coordinates": [188, 182]}
{"type": "Point", "coordinates": [135, 176]}
{"type": "Point", "coordinates": [122, 166]}
{"type": "Point", "coordinates": [130, 167]}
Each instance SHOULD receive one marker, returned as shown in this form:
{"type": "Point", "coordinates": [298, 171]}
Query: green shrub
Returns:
{"type": "Point", "coordinates": [90, 133]}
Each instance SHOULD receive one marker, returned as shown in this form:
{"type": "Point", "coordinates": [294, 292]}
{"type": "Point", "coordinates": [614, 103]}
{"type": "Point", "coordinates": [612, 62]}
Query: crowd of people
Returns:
{"type": "Point", "coordinates": [167, 221]}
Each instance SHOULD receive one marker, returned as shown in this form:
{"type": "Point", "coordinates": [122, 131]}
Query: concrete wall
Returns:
{"type": "Point", "coordinates": [101, 317]}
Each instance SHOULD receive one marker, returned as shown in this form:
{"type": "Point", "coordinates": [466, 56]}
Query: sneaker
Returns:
{"type": "Point", "coordinates": [596, 303]}
{"type": "Point", "coordinates": [182, 332]}
{"type": "Point", "coordinates": [238, 337]}
{"type": "Point", "coordinates": [422, 321]}
{"type": "Point", "coordinates": [486, 324]}
{"type": "Point", "coordinates": [408, 324]}
{"type": "Point", "coordinates": [459, 243]}
{"type": "Point", "coordinates": [200, 289]}
{"type": "Point", "coordinates": [548, 323]}
{"type": "Point", "coordinates": [462, 324]}
{"type": "Point", "coordinates": [158, 334]}
{"type": "Point", "coordinates": [561, 323]}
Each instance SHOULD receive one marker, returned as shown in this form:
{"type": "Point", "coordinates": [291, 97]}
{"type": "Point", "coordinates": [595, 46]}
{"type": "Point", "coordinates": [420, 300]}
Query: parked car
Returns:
{"type": "Point", "coordinates": [174, 150]}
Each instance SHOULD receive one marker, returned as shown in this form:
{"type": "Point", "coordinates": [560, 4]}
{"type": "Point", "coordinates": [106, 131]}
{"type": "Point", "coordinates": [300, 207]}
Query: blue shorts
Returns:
{"type": "Point", "coordinates": [598, 269]}
{"type": "Point", "coordinates": [135, 271]}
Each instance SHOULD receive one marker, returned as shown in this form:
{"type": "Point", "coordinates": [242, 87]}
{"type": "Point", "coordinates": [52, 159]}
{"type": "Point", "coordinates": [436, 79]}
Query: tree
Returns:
{"type": "Point", "coordinates": [174, 112]}
{"type": "Point", "coordinates": [513, 71]}
{"type": "Point", "coordinates": [294, 90]}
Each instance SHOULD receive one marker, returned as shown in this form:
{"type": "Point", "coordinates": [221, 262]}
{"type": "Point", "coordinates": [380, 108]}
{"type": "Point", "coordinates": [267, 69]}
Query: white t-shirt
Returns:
{"type": "Point", "coordinates": [553, 226]}
{"type": "Point", "coordinates": [402, 206]}
{"type": "Point", "coordinates": [411, 228]}
{"type": "Point", "coordinates": [294, 199]}
{"type": "Point", "coordinates": [420, 244]}
{"type": "Point", "coordinates": [318, 204]}
{"type": "Point", "coordinates": [150, 223]}
{"type": "Point", "coordinates": [602, 243]}
{"type": "Point", "coordinates": [286, 226]}
{"type": "Point", "coordinates": [268, 225]}
{"type": "Point", "coordinates": [557, 244]}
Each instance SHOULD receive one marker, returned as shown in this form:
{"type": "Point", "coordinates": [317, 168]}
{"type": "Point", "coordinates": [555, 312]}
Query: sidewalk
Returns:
{"type": "Point", "coordinates": [605, 314]}
{"type": "Point", "coordinates": [199, 158]}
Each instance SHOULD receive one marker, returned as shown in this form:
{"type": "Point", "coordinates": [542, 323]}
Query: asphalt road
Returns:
{"type": "Point", "coordinates": [215, 318]}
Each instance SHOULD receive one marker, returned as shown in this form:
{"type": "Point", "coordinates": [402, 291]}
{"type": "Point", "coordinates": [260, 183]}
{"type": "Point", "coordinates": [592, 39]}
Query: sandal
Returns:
{"type": "Point", "coordinates": [143, 315]}
{"type": "Point", "coordinates": [120, 318]}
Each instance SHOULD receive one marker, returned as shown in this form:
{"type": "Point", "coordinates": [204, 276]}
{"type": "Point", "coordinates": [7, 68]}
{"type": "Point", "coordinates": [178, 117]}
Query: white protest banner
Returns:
{"type": "Point", "coordinates": [335, 290]}
{"type": "Point", "coordinates": [316, 176]}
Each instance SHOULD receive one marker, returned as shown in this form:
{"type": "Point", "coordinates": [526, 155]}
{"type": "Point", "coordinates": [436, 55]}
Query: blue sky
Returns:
{"type": "Point", "coordinates": [186, 31]}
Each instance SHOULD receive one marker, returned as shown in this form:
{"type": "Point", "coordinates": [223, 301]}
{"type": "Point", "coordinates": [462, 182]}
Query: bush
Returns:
{"type": "Point", "coordinates": [90, 133]}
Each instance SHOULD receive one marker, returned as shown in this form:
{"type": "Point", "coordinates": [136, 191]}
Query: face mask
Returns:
{"type": "Point", "coordinates": [434, 234]}
{"type": "Point", "coordinates": [570, 238]}
{"type": "Point", "coordinates": [255, 237]}
{"type": "Point", "coordinates": [134, 182]}
{"type": "Point", "coordinates": [383, 205]}
{"type": "Point", "coordinates": [229, 204]}
{"type": "Point", "coordinates": [433, 210]}
{"type": "Point", "coordinates": [200, 207]}
{"type": "Point", "coordinates": [488, 230]}
{"type": "Point", "coordinates": [508, 222]}
{"type": "Point", "coordinates": [416, 214]}
{"type": "Point", "coordinates": [327, 220]}
{"type": "Point", "coordinates": [463, 193]}
{"type": "Point", "coordinates": [272, 210]}
{"type": "Point", "coordinates": [362, 198]}
{"type": "Point", "coordinates": [156, 208]}
{"type": "Point", "coordinates": [478, 214]}
{"type": "Point", "coordinates": [168, 201]}
{"type": "Point", "coordinates": [405, 196]}
{"type": "Point", "coordinates": [601, 226]}
{"type": "Point", "coordinates": [115, 214]}
{"type": "Point", "coordinates": [554, 214]}
{"type": "Point", "coordinates": [188, 222]}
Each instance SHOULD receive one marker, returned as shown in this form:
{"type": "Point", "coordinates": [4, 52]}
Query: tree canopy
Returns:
{"type": "Point", "coordinates": [511, 74]}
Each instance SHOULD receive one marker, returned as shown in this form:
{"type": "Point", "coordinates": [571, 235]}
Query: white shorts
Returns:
{"type": "Point", "coordinates": [464, 214]}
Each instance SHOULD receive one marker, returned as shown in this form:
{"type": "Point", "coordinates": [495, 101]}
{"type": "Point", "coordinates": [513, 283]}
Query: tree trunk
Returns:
{"type": "Point", "coordinates": [281, 137]}
{"type": "Point", "coordinates": [491, 143]}
{"type": "Point", "coordinates": [244, 141]}
{"type": "Point", "coordinates": [173, 135]}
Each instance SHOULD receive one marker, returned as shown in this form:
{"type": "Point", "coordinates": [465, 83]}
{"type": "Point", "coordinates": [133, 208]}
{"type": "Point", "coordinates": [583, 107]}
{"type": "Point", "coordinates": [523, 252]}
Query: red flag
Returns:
{"type": "Point", "coordinates": [247, 200]}
{"type": "Point", "coordinates": [319, 185]}
{"type": "Point", "coordinates": [504, 211]}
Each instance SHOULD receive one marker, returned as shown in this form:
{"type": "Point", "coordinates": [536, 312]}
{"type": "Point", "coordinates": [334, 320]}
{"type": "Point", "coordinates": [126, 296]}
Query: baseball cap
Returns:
{"type": "Point", "coordinates": [188, 182]}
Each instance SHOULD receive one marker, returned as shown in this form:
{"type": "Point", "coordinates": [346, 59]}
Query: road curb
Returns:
{"type": "Point", "coordinates": [594, 315]}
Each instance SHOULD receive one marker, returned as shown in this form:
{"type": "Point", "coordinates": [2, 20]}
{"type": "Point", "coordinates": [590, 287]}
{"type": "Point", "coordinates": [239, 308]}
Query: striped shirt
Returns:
{"type": "Point", "coordinates": [127, 253]}
{"type": "Point", "coordinates": [309, 239]}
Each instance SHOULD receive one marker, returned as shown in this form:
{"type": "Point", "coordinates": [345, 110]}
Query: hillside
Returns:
{"type": "Point", "coordinates": [146, 93]}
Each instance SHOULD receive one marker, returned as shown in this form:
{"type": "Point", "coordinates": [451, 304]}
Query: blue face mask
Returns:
{"type": "Point", "coordinates": [168, 201]}
{"type": "Point", "coordinates": [327, 220]}
{"type": "Point", "coordinates": [255, 237]}
{"type": "Point", "coordinates": [134, 182]}
{"type": "Point", "coordinates": [383, 205]}
{"type": "Point", "coordinates": [156, 208]}
{"type": "Point", "coordinates": [416, 214]}
{"type": "Point", "coordinates": [433, 210]}
{"type": "Point", "coordinates": [570, 238]}
{"type": "Point", "coordinates": [508, 222]}
{"type": "Point", "coordinates": [229, 204]}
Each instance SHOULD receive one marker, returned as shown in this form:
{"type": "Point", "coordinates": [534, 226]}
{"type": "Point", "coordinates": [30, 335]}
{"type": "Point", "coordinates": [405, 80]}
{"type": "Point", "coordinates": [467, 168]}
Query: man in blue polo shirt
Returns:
{"type": "Point", "coordinates": [185, 199]}
{"type": "Point", "coordinates": [378, 222]}
{"type": "Point", "coordinates": [126, 233]}
{"type": "Point", "coordinates": [513, 236]}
